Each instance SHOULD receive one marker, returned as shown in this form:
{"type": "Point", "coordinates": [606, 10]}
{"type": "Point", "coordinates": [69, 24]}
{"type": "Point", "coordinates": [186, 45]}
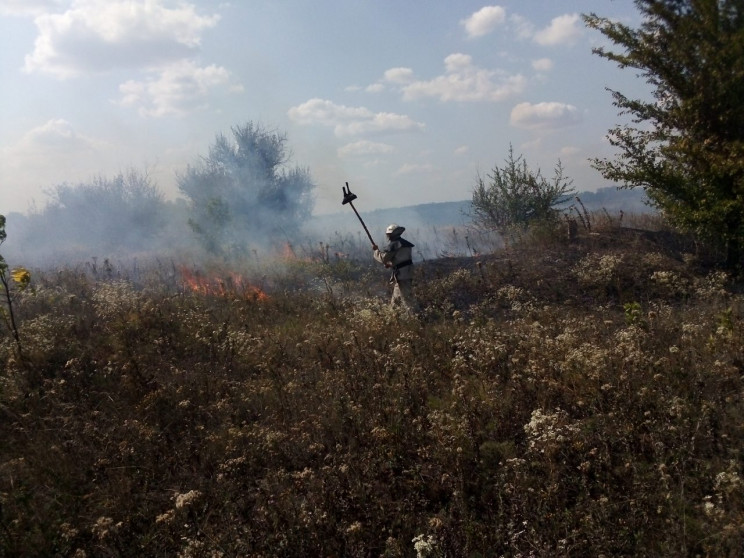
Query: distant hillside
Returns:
{"type": "Point", "coordinates": [615, 200]}
{"type": "Point", "coordinates": [447, 214]}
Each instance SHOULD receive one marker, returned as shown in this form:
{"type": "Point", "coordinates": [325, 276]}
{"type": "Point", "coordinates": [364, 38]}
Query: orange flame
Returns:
{"type": "Point", "coordinates": [234, 285]}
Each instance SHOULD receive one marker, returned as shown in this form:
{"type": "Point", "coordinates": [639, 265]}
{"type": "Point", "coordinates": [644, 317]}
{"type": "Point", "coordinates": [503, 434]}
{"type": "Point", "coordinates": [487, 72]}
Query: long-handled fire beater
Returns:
{"type": "Point", "coordinates": [349, 197]}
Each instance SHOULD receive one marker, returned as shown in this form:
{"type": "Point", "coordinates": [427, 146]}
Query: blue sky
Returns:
{"type": "Point", "coordinates": [407, 101]}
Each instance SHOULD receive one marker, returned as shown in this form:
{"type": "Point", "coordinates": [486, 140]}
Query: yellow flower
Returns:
{"type": "Point", "coordinates": [21, 276]}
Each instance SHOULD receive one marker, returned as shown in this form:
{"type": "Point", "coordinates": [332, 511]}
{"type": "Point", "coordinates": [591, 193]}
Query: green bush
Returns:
{"type": "Point", "coordinates": [515, 196]}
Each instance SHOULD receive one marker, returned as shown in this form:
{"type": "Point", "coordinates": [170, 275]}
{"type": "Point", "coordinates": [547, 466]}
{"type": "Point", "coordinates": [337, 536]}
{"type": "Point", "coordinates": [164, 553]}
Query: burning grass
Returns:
{"type": "Point", "coordinates": [561, 400]}
{"type": "Point", "coordinates": [227, 284]}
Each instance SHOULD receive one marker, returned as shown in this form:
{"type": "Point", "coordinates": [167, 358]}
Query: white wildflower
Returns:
{"type": "Point", "coordinates": [187, 498]}
{"type": "Point", "coordinates": [424, 545]}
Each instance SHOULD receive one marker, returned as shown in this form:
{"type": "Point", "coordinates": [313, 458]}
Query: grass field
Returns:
{"type": "Point", "coordinates": [552, 398]}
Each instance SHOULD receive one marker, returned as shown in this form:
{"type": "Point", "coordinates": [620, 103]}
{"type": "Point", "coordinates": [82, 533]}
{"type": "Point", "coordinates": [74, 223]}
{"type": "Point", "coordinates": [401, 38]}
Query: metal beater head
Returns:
{"type": "Point", "coordinates": [348, 195]}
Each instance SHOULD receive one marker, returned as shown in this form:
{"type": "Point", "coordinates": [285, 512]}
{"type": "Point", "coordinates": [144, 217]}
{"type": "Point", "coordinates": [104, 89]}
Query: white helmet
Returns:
{"type": "Point", "coordinates": [394, 230]}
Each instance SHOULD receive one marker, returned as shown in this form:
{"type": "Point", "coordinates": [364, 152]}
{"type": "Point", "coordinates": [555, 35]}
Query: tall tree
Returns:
{"type": "Point", "coordinates": [243, 192]}
{"type": "Point", "coordinates": [686, 145]}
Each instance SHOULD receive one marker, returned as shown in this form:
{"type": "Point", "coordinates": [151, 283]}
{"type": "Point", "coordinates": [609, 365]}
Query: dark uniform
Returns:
{"type": "Point", "coordinates": [397, 254]}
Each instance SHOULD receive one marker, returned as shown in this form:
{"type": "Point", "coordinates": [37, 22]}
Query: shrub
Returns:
{"type": "Point", "coordinates": [515, 196]}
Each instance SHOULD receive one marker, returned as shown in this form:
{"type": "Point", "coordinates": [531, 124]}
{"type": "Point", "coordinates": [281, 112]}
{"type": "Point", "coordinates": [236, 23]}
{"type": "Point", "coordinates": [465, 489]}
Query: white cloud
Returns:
{"type": "Point", "coordinates": [462, 81]}
{"type": "Point", "coordinates": [532, 145]}
{"type": "Point", "coordinates": [364, 147]}
{"type": "Point", "coordinates": [412, 168]}
{"type": "Point", "coordinates": [55, 135]}
{"type": "Point", "coordinates": [522, 26]}
{"type": "Point", "coordinates": [28, 8]}
{"type": "Point", "coordinates": [562, 29]}
{"type": "Point", "coordinates": [176, 90]}
{"type": "Point", "coordinates": [326, 113]}
{"type": "Point", "coordinates": [350, 121]}
{"type": "Point", "coordinates": [544, 115]}
{"type": "Point", "coordinates": [484, 21]}
{"type": "Point", "coordinates": [569, 151]}
{"type": "Point", "coordinates": [99, 35]}
{"type": "Point", "coordinates": [462, 150]}
{"type": "Point", "coordinates": [458, 62]}
{"type": "Point", "coordinates": [51, 153]}
{"type": "Point", "coordinates": [399, 75]}
{"type": "Point", "coordinates": [542, 64]}
{"type": "Point", "coordinates": [377, 123]}
{"type": "Point", "coordinates": [393, 76]}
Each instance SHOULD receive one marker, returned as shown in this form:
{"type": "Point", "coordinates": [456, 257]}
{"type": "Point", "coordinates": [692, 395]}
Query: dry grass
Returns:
{"type": "Point", "coordinates": [552, 399]}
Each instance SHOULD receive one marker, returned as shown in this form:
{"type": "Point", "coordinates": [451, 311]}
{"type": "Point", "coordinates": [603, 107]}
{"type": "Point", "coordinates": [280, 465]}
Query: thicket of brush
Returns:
{"type": "Point", "coordinates": [553, 399]}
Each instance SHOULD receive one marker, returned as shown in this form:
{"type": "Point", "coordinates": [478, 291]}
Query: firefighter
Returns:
{"type": "Point", "coordinates": [396, 255]}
